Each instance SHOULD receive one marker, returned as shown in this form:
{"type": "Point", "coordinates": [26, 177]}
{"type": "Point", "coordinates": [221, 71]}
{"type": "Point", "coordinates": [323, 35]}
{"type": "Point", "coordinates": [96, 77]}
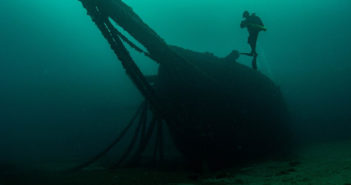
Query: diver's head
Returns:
{"type": "Point", "coordinates": [246, 14]}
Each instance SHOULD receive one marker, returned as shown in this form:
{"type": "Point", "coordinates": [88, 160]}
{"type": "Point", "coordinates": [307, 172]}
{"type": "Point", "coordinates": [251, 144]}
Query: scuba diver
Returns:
{"type": "Point", "coordinates": [254, 25]}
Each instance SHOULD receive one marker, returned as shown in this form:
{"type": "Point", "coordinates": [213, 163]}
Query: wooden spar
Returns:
{"type": "Point", "coordinates": [159, 50]}
{"type": "Point", "coordinates": [125, 17]}
{"type": "Point", "coordinates": [111, 35]}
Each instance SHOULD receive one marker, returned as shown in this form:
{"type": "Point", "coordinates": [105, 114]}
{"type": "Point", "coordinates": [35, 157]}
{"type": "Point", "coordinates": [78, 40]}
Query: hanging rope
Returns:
{"type": "Point", "coordinates": [141, 128]}
{"type": "Point", "coordinates": [116, 141]}
{"type": "Point", "coordinates": [130, 43]}
{"type": "Point", "coordinates": [143, 143]}
{"type": "Point", "coordinates": [176, 66]}
{"type": "Point", "coordinates": [112, 35]}
{"type": "Point", "coordinates": [158, 150]}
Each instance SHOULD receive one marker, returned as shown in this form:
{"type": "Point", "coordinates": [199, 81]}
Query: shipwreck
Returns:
{"type": "Point", "coordinates": [217, 111]}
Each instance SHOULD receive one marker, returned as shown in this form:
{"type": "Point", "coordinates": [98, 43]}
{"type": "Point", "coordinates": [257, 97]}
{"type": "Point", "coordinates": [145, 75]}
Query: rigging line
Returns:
{"type": "Point", "coordinates": [123, 55]}
{"type": "Point", "coordinates": [132, 70]}
{"type": "Point", "coordinates": [135, 159]}
{"type": "Point", "coordinates": [159, 140]}
{"type": "Point", "coordinates": [116, 141]}
{"type": "Point", "coordinates": [117, 46]}
{"type": "Point", "coordinates": [144, 119]}
{"type": "Point", "coordinates": [131, 67]}
{"type": "Point", "coordinates": [129, 42]}
{"type": "Point", "coordinates": [141, 126]}
{"type": "Point", "coordinates": [124, 38]}
{"type": "Point", "coordinates": [186, 64]}
{"type": "Point", "coordinates": [161, 150]}
{"type": "Point", "coordinates": [156, 147]}
{"type": "Point", "coordinates": [116, 38]}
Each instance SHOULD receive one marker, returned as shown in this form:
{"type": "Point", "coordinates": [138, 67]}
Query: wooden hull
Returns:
{"type": "Point", "coordinates": [238, 116]}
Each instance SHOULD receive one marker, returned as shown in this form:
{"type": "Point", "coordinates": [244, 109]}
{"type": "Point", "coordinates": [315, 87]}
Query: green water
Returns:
{"type": "Point", "coordinates": [62, 90]}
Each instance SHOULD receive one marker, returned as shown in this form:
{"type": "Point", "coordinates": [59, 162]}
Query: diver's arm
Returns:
{"type": "Point", "coordinates": [260, 21]}
{"type": "Point", "coordinates": [262, 25]}
{"type": "Point", "coordinates": [243, 24]}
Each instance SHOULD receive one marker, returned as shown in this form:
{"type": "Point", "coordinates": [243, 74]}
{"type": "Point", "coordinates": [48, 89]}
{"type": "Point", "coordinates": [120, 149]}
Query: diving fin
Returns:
{"type": "Point", "coordinates": [247, 54]}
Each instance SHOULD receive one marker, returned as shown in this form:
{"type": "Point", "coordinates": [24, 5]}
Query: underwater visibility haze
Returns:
{"type": "Point", "coordinates": [65, 95]}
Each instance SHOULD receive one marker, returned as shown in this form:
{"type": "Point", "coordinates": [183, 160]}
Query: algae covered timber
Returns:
{"type": "Point", "coordinates": [218, 112]}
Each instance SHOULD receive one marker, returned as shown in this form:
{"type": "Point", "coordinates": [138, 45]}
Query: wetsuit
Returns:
{"type": "Point", "coordinates": [254, 25]}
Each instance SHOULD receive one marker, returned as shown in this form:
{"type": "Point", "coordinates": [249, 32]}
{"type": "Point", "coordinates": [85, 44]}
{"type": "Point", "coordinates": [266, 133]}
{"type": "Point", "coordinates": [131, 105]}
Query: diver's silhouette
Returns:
{"type": "Point", "coordinates": [254, 25]}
